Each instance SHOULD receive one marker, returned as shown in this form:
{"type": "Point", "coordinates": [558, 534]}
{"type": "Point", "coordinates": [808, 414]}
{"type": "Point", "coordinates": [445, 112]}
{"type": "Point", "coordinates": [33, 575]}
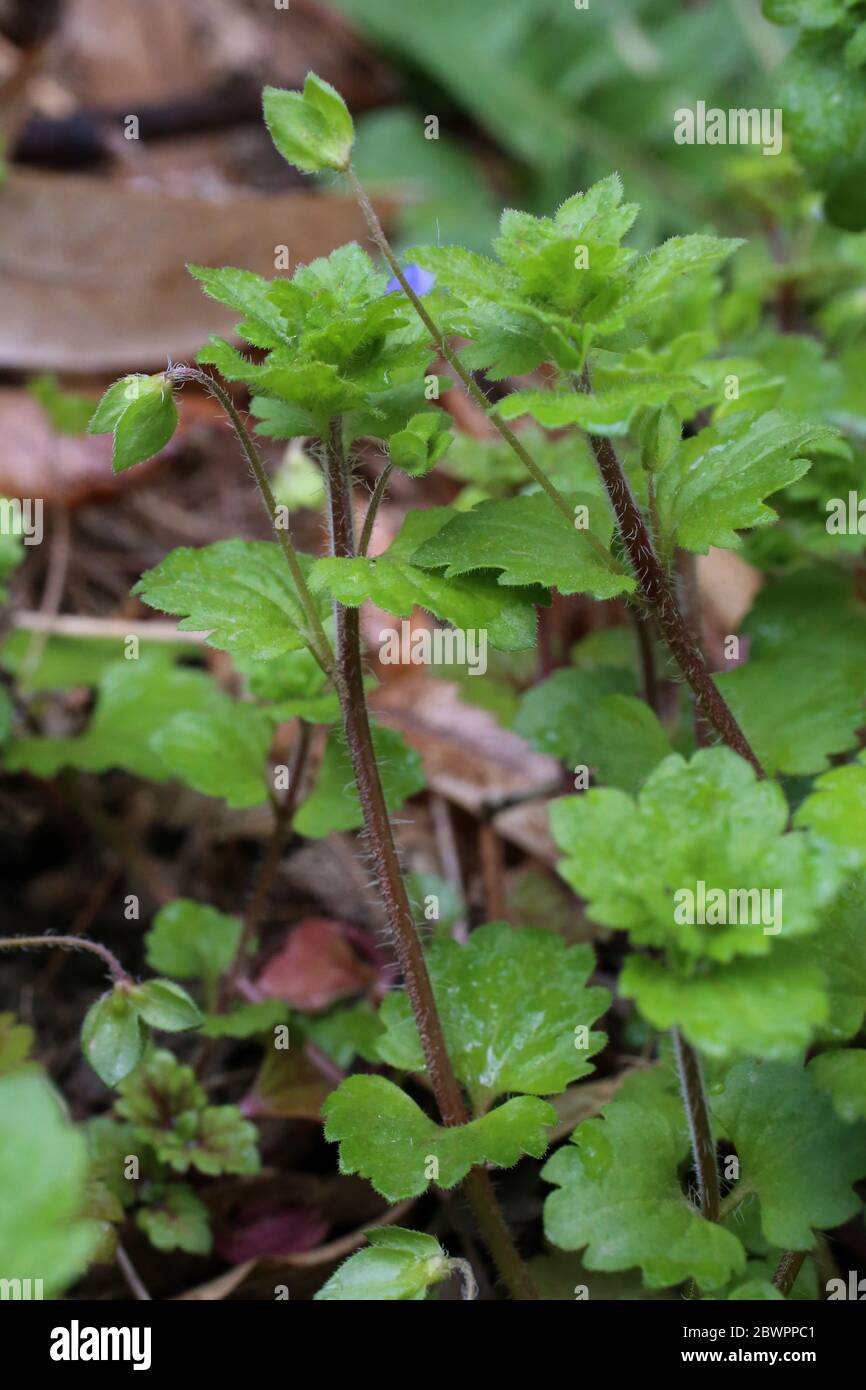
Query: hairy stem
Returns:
{"type": "Point", "coordinates": [284, 813]}
{"type": "Point", "coordinates": [70, 943]}
{"type": "Point", "coordinates": [380, 838]}
{"type": "Point", "coordinates": [700, 1129]}
{"type": "Point", "coordinates": [659, 594]}
{"type": "Point", "coordinates": [316, 639]}
{"type": "Point", "coordinates": [787, 1269]}
{"type": "Point", "coordinates": [647, 567]}
{"type": "Point", "coordinates": [373, 509]}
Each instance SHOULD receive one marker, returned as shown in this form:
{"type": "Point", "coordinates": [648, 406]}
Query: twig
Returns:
{"type": "Point", "coordinates": [130, 1274]}
{"type": "Point", "coordinates": [70, 943]}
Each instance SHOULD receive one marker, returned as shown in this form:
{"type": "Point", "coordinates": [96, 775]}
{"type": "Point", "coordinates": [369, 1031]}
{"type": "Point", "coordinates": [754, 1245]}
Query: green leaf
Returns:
{"type": "Point", "coordinates": [166, 1005]}
{"type": "Point", "coordinates": [333, 803]}
{"type": "Point", "coordinates": [176, 1220]}
{"type": "Point", "coordinates": [794, 1152]}
{"type": "Point", "coordinates": [772, 1007]}
{"type": "Point", "coordinates": [394, 583]}
{"type": "Point", "coordinates": [387, 1138]}
{"type": "Point", "coordinates": [221, 1141]}
{"type": "Point", "coordinates": [715, 483]}
{"type": "Point", "coordinates": [836, 810]}
{"type": "Point", "coordinates": [419, 447]}
{"type": "Point", "coordinates": [137, 699]}
{"type": "Point", "coordinates": [515, 1009]}
{"type": "Point", "coordinates": [43, 1172]}
{"type": "Point", "coordinates": [842, 1074]}
{"type": "Point", "coordinates": [707, 822]}
{"type": "Point", "coordinates": [399, 1264]}
{"type": "Point", "coordinates": [250, 295]}
{"type": "Point", "coordinates": [158, 1094]}
{"type": "Point", "coordinates": [16, 1042]}
{"type": "Point", "coordinates": [240, 592]}
{"type": "Point", "coordinates": [620, 1197]}
{"type": "Point", "coordinates": [113, 1036]}
{"type": "Point", "coordinates": [796, 714]}
{"type": "Point", "coordinates": [839, 951]}
{"type": "Point", "coordinates": [823, 101]}
{"type": "Point", "coordinates": [346, 1033]}
{"type": "Point", "coordinates": [585, 717]}
{"type": "Point", "coordinates": [247, 1020]}
{"type": "Point", "coordinates": [168, 1111]}
{"type": "Point", "coordinates": [312, 130]}
{"type": "Point", "coordinates": [652, 276]}
{"type": "Point", "coordinates": [530, 542]}
{"type": "Point", "coordinates": [191, 941]}
{"type": "Point", "coordinates": [610, 412]}
{"type": "Point", "coordinates": [116, 400]}
{"type": "Point", "coordinates": [141, 412]}
{"type": "Point", "coordinates": [220, 751]}
{"type": "Point", "coordinates": [67, 411]}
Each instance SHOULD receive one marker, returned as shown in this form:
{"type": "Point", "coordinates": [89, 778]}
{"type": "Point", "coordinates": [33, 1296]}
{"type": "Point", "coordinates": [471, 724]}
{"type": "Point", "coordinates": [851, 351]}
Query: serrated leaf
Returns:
{"type": "Point", "coordinates": [240, 592]}
{"type": "Point", "coordinates": [166, 1005]}
{"type": "Point", "coordinates": [220, 751]}
{"type": "Point", "coordinates": [176, 1219]}
{"type": "Point", "coordinates": [608, 412]}
{"type": "Point", "coordinates": [333, 803]}
{"type": "Point", "coordinates": [398, 1265]}
{"type": "Point", "coordinates": [530, 542]}
{"type": "Point", "coordinates": [113, 1036]}
{"type": "Point", "coordinates": [191, 941]}
{"type": "Point", "coordinates": [771, 1007]}
{"type": "Point", "coordinates": [707, 822]}
{"type": "Point", "coordinates": [515, 1009]}
{"type": "Point", "coordinates": [249, 294]}
{"type": "Point", "coordinates": [715, 483]}
{"type": "Point", "coordinates": [585, 717]}
{"type": "Point", "coordinates": [157, 1094]}
{"type": "Point", "coordinates": [620, 1197]}
{"type": "Point", "coordinates": [387, 1138]}
{"type": "Point", "coordinates": [43, 1172]}
{"type": "Point", "coordinates": [794, 1152]}
{"type": "Point", "coordinates": [312, 130]}
{"type": "Point", "coordinates": [394, 583]}
{"type": "Point", "coordinates": [168, 1111]}
{"type": "Point", "coordinates": [220, 1141]}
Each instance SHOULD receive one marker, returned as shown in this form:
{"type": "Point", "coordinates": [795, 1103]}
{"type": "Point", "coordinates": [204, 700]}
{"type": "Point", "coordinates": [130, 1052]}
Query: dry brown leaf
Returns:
{"type": "Point", "coordinates": [93, 273]}
{"type": "Point", "coordinates": [469, 758]}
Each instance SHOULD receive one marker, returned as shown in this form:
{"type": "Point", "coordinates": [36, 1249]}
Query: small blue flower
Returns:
{"type": "Point", "coordinates": [421, 281]}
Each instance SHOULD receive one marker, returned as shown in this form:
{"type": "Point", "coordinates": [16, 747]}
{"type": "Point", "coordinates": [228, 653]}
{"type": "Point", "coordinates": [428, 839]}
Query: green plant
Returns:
{"type": "Point", "coordinates": [736, 880]}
